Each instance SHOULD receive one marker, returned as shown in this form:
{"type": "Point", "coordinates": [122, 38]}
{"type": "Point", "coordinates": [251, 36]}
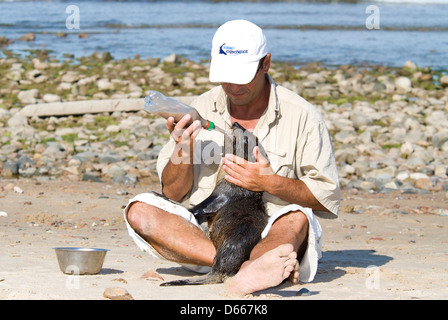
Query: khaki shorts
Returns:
{"type": "Point", "coordinates": [308, 265]}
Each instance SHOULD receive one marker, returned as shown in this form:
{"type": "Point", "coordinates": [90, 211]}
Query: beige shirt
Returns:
{"type": "Point", "coordinates": [292, 132]}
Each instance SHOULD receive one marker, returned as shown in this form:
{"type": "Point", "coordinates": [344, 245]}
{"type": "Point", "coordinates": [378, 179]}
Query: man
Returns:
{"type": "Point", "coordinates": [299, 179]}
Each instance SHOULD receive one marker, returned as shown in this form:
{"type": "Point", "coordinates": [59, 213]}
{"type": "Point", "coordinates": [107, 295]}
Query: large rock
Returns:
{"type": "Point", "coordinates": [89, 106]}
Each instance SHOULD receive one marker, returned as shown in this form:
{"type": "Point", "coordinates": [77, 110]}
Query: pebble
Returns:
{"type": "Point", "coordinates": [117, 293]}
{"type": "Point", "coordinates": [403, 84]}
{"type": "Point", "coordinates": [18, 190]}
{"type": "Point", "coordinates": [151, 275]}
{"type": "Point", "coordinates": [3, 214]}
{"type": "Point", "coordinates": [304, 292]}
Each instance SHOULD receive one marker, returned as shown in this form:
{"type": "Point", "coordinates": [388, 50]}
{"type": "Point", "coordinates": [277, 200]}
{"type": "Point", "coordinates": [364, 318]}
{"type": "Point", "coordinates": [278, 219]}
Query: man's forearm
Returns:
{"type": "Point", "coordinates": [293, 191]}
{"type": "Point", "coordinates": [177, 176]}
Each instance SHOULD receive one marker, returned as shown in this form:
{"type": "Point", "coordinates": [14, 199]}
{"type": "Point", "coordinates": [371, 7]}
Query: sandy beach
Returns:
{"type": "Point", "coordinates": [383, 246]}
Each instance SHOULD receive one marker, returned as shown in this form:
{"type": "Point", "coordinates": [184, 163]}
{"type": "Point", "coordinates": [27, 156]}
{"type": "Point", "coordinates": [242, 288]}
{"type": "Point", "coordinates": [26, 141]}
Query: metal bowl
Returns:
{"type": "Point", "coordinates": [74, 260]}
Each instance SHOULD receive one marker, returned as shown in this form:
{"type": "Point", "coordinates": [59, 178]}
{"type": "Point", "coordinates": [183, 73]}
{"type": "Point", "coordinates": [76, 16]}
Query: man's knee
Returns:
{"type": "Point", "coordinates": [295, 221]}
{"type": "Point", "coordinates": [137, 214]}
{"type": "Point", "coordinates": [293, 226]}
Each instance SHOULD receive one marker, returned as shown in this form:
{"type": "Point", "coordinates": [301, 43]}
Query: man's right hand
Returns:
{"type": "Point", "coordinates": [178, 131]}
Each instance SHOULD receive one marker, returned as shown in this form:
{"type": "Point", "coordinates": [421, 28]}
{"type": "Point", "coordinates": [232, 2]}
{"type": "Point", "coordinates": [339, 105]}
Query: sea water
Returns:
{"type": "Point", "coordinates": [387, 32]}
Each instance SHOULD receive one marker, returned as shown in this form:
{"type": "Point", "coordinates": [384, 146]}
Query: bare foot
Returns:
{"type": "Point", "coordinates": [265, 272]}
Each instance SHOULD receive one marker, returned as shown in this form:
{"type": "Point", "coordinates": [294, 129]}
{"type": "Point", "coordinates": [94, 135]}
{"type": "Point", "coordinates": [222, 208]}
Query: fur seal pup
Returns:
{"type": "Point", "coordinates": [236, 216]}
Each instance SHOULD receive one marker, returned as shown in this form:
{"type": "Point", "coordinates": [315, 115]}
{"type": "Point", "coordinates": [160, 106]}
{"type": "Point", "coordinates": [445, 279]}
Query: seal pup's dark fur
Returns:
{"type": "Point", "coordinates": [236, 216]}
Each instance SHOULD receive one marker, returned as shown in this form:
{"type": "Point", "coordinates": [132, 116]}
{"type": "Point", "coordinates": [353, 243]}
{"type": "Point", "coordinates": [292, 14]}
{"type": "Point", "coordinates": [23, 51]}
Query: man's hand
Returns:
{"type": "Point", "coordinates": [184, 138]}
{"type": "Point", "coordinates": [259, 176]}
{"type": "Point", "coordinates": [249, 175]}
{"type": "Point", "coordinates": [181, 134]}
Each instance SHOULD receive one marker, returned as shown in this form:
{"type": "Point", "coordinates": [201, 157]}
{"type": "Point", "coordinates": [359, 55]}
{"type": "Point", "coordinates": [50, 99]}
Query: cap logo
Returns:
{"type": "Point", "coordinates": [229, 50]}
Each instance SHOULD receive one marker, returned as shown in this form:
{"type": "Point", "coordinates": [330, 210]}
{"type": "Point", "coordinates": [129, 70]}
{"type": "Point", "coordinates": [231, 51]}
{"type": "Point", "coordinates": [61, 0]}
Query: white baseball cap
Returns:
{"type": "Point", "coordinates": [237, 47]}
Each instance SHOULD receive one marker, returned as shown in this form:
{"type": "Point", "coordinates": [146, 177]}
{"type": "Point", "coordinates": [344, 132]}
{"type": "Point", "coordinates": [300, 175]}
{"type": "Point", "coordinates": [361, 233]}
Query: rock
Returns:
{"type": "Point", "coordinates": [437, 118]}
{"type": "Point", "coordinates": [367, 186]}
{"type": "Point", "coordinates": [48, 97]}
{"type": "Point", "coordinates": [3, 214]}
{"type": "Point", "coordinates": [444, 81]}
{"type": "Point", "coordinates": [115, 172]}
{"type": "Point", "coordinates": [117, 293]}
{"type": "Point", "coordinates": [391, 185]}
{"type": "Point", "coordinates": [4, 41]}
{"type": "Point", "coordinates": [152, 274]}
{"type": "Point", "coordinates": [10, 168]}
{"type": "Point", "coordinates": [40, 65]}
{"type": "Point", "coordinates": [403, 84]}
{"type": "Point", "coordinates": [346, 137]}
{"type": "Point", "coordinates": [304, 292]}
{"type": "Point", "coordinates": [188, 83]}
{"type": "Point", "coordinates": [27, 172]}
{"type": "Point", "coordinates": [52, 149]}
{"type": "Point", "coordinates": [113, 128]}
{"type": "Point", "coordinates": [407, 148]}
{"type": "Point", "coordinates": [4, 114]}
{"type": "Point", "coordinates": [60, 34]}
{"type": "Point", "coordinates": [365, 137]}
{"type": "Point", "coordinates": [109, 158]}
{"type": "Point", "coordinates": [347, 170]}
{"type": "Point", "coordinates": [103, 56]}
{"type": "Point", "coordinates": [423, 183]}
{"type": "Point", "coordinates": [361, 119]}
{"type": "Point", "coordinates": [143, 144]}
{"type": "Point", "coordinates": [172, 58]}
{"type": "Point", "coordinates": [18, 190]}
{"type": "Point", "coordinates": [410, 65]}
{"type": "Point", "coordinates": [8, 149]}
{"type": "Point", "coordinates": [104, 84]}
{"type": "Point", "coordinates": [17, 121]}
{"type": "Point", "coordinates": [70, 77]}
{"type": "Point", "coordinates": [28, 96]}
{"type": "Point", "coordinates": [24, 162]}
{"type": "Point", "coordinates": [28, 37]}
{"type": "Point", "coordinates": [82, 107]}
{"type": "Point", "coordinates": [402, 176]}
{"type": "Point", "coordinates": [441, 170]}
{"type": "Point", "coordinates": [425, 77]}
{"type": "Point", "coordinates": [202, 80]}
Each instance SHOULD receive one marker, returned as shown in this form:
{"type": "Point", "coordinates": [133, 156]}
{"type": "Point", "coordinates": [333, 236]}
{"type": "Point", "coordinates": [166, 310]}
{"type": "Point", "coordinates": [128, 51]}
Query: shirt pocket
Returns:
{"type": "Point", "coordinates": [282, 162]}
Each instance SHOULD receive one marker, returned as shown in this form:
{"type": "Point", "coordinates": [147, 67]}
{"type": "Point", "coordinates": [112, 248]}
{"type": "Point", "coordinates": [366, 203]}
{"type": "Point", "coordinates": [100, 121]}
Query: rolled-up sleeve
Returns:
{"type": "Point", "coordinates": [318, 168]}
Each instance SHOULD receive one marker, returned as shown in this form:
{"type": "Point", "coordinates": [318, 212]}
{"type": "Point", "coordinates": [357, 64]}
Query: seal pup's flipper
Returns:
{"type": "Point", "coordinates": [208, 278]}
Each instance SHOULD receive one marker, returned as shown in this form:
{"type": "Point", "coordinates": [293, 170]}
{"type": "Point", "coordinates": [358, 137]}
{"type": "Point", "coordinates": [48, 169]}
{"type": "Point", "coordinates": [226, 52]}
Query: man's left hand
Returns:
{"type": "Point", "coordinates": [249, 175]}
